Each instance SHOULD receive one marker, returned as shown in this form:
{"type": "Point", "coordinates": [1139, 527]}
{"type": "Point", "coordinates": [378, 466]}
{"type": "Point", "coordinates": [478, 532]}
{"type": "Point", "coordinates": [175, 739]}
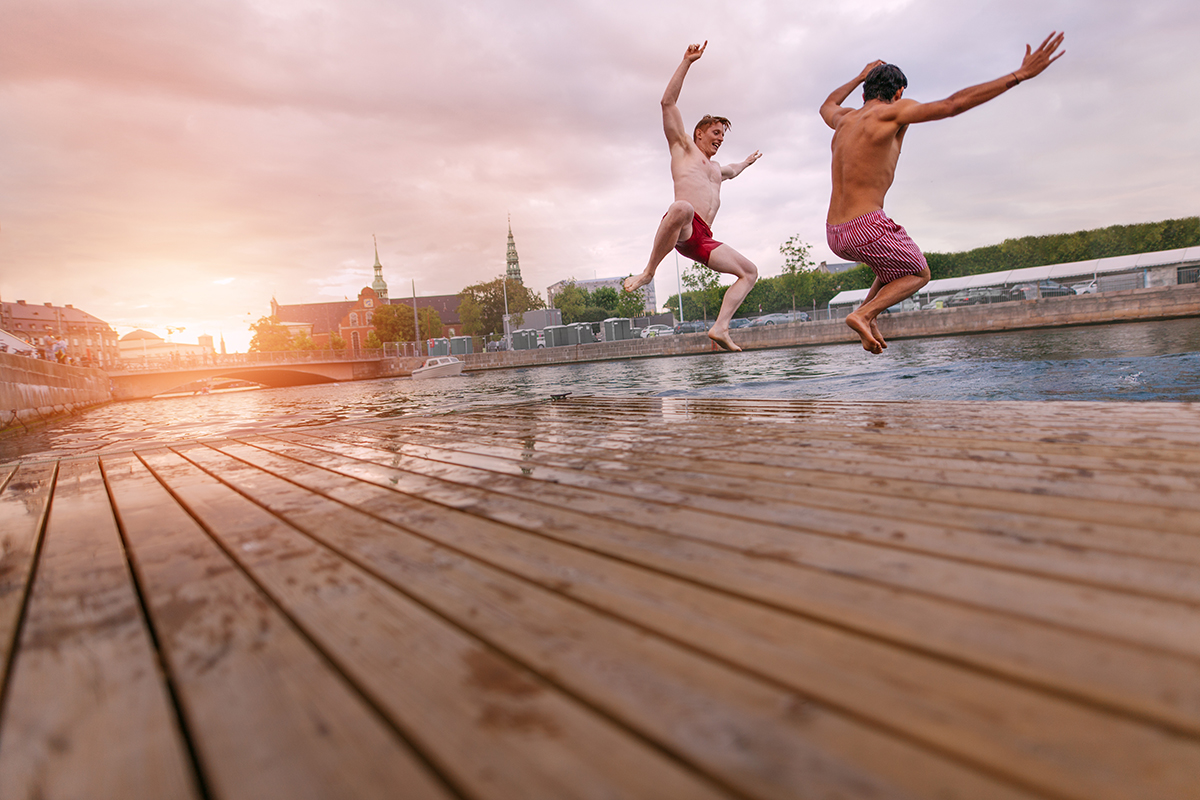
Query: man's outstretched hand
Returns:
{"type": "Point", "coordinates": [694, 52]}
{"type": "Point", "coordinates": [1037, 60]}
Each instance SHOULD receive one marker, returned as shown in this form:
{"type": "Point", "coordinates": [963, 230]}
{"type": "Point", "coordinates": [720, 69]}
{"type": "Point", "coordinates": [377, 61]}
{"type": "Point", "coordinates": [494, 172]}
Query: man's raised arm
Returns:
{"type": "Point", "coordinates": [831, 109]}
{"type": "Point", "coordinates": [1032, 65]}
{"type": "Point", "coordinates": [673, 125]}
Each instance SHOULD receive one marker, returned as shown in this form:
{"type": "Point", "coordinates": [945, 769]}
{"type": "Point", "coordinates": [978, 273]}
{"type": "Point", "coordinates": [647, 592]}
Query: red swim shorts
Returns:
{"type": "Point", "coordinates": [879, 243]}
{"type": "Point", "coordinates": [701, 244]}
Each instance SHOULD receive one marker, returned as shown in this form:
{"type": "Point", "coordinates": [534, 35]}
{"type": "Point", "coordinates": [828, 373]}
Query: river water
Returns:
{"type": "Point", "coordinates": [1131, 361]}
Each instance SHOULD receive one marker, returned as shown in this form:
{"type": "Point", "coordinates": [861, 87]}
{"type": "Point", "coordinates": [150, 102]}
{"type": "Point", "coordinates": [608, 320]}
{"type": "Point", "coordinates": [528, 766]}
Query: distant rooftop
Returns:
{"type": "Point", "coordinates": [1073, 269]}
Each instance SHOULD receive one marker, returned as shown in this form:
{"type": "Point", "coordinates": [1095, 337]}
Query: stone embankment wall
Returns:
{"type": "Point", "coordinates": [1167, 302]}
{"type": "Point", "coordinates": [31, 389]}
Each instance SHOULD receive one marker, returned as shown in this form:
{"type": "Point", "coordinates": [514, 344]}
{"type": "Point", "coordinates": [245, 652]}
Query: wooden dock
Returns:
{"type": "Point", "coordinates": [609, 598]}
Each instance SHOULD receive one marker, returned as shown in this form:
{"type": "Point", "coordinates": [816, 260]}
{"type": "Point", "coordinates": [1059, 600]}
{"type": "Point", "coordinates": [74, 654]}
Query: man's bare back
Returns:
{"type": "Point", "coordinates": [866, 148]}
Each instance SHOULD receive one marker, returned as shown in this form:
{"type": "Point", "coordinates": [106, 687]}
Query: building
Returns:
{"type": "Point", "coordinates": [351, 319]}
{"type": "Point", "coordinates": [143, 347]}
{"type": "Point", "coordinates": [379, 285]}
{"type": "Point", "coordinates": [651, 304]}
{"type": "Point", "coordinates": [1116, 273]}
{"type": "Point", "coordinates": [89, 340]}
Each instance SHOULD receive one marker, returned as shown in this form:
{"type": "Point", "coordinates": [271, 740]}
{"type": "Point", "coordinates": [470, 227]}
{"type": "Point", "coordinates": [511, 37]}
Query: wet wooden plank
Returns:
{"type": "Point", "coordinates": [681, 511]}
{"type": "Point", "coordinates": [788, 744]}
{"type": "Point", "coordinates": [648, 597]}
{"type": "Point", "coordinates": [24, 500]}
{"type": "Point", "coordinates": [495, 729]}
{"type": "Point", "coordinates": [87, 711]}
{"type": "Point", "coordinates": [825, 510]}
{"type": "Point", "coordinates": [266, 713]}
{"type": "Point", "coordinates": [1137, 504]}
{"type": "Point", "coordinates": [753, 444]}
{"type": "Point", "coordinates": [1165, 687]}
{"type": "Point", "coordinates": [1030, 736]}
{"type": "Point", "coordinates": [1070, 435]}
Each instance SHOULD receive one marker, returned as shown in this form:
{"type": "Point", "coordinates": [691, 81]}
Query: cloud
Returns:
{"type": "Point", "coordinates": [152, 151]}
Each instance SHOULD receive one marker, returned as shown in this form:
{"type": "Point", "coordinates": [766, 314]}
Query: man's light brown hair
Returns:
{"type": "Point", "coordinates": [709, 119]}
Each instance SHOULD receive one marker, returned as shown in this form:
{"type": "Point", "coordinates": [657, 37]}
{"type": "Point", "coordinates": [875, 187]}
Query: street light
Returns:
{"type": "Point", "coordinates": [507, 326]}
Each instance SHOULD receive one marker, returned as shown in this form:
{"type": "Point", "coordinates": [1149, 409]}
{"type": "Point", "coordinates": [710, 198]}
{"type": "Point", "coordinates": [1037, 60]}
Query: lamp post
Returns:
{"type": "Point", "coordinates": [679, 286]}
{"type": "Point", "coordinates": [507, 325]}
{"type": "Point", "coordinates": [416, 325]}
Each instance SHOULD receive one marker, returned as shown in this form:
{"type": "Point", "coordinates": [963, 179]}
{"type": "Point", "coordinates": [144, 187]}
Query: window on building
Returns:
{"type": "Point", "coordinates": [370, 316]}
{"type": "Point", "coordinates": [353, 320]}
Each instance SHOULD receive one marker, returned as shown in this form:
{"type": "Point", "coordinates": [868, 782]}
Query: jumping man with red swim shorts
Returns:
{"type": "Point", "coordinates": [866, 147]}
{"type": "Point", "coordinates": [686, 225]}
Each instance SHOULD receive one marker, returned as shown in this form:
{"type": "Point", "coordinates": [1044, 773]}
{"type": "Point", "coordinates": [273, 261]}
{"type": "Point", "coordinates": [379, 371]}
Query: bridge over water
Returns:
{"type": "Point", "coordinates": [268, 369]}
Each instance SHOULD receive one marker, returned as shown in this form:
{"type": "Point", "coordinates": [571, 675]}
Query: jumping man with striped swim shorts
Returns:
{"type": "Point", "coordinates": [685, 226]}
{"type": "Point", "coordinates": [866, 148]}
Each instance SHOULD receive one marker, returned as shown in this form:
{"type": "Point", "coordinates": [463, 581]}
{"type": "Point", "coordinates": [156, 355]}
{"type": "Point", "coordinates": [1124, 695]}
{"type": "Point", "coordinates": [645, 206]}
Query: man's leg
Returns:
{"type": "Point", "coordinates": [882, 296]}
{"type": "Point", "coordinates": [731, 262]}
{"type": "Point", "coordinates": [676, 227]}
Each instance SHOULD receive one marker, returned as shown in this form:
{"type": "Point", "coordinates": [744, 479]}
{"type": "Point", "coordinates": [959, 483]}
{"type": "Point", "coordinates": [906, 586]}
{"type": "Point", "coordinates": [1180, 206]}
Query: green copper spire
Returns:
{"type": "Point", "coordinates": [379, 285]}
{"type": "Point", "coordinates": [513, 271]}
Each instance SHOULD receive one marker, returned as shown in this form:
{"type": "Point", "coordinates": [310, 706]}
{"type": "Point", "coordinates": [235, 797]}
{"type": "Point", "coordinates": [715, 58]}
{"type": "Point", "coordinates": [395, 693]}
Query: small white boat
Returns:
{"type": "Point", "coordinates": [438, 367]}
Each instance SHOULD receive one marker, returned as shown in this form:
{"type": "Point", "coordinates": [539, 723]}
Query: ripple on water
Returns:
{"type": "Point", "coordinates": [1132, 361]}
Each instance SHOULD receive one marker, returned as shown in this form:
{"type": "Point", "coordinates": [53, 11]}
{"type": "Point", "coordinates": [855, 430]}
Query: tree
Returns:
{"type": "Point", "coordinates": [797, 268]}
{"type": "Point", "coordinates": [269, 336]}
{"type": "Point", "coordinates": [394, 323]}
{"type": "Point", "coordinates": [606, 297]}
{"type": "Point", "coordinates": [389, 322]}
{"type": "Point", "coordinates": [302, 341]}
{"type": "Point", "coordinates": [336, 342]}
{"type": "Point", "coordinates": [707, 286]}
{"type": "Point", "coordinates": [571, 301]}
{"type": "Point", "coordinates": [1059, 248]}
{"type": "Point", "coordinates": [631, 304]}
{"type": "Point", "coordinates": [593, 314]}
{"type": "Point", "coordinates": [481, 305]}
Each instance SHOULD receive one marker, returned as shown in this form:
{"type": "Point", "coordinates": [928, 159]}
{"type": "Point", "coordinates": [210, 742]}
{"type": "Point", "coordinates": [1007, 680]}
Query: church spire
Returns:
{"type": "Point", "coordinates": [379, 285]}
{"type": "Point", "coordinates": [513, 271]}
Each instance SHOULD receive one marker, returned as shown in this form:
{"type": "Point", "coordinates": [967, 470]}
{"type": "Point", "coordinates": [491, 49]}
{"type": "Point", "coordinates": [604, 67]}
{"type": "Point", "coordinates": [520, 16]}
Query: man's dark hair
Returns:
{"type": "Point", "coordinates": [883, 82]}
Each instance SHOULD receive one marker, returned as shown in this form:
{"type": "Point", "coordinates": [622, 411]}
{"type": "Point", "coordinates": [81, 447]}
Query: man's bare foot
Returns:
{"type": "Point", "coordinates": [722, 338]}
{"type": "Point", "coordinates": [863, 329]}
{"type": "Point", "coordinates": [877, 335]}
{"type": "Point", "coordinates": [635, 282]}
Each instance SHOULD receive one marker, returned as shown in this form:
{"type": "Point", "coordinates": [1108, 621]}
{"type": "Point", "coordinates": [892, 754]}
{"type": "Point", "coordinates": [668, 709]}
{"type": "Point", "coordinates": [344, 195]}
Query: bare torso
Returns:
{"type": "Point", "coordinates": [697, 180]}
{"type": "Point", "coordinates": [866, 148]}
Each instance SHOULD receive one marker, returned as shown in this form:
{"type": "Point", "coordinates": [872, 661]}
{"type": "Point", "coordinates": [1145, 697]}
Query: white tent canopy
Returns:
{"type": "Point", "coordinates": [1054, 272]}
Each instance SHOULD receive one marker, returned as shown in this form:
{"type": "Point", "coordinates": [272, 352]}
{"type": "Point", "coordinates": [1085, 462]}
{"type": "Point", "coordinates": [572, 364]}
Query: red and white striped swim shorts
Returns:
{"type": "Point", "coordinates": [879, 243]}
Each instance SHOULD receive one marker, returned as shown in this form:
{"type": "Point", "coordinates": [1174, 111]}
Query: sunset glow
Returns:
{"type": "Point", "coordinates": [180, 164]}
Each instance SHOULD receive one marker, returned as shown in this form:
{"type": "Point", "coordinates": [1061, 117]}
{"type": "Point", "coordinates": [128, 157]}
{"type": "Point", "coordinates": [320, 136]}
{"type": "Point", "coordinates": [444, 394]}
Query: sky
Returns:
{"type": "Point", "coordinates": [180, 164]}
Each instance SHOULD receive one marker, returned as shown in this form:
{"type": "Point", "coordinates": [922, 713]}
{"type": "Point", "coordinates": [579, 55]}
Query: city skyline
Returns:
{"type": "Point", "coordinates": [182, 165]}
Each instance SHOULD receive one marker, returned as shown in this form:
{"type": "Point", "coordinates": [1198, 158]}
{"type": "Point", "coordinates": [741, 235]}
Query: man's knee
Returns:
{"type": "Point", "coordinates": [681, 211]}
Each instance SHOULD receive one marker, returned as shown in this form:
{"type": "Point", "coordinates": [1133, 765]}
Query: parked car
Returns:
{"type": "Point", "coordinates": [1087, 287]}
{"type": "Point", "coordinates": [693, 326]}
{"type": "Point", "coordinates": [1046, 288]}
{"type": "Point", "coordinates": [738, 322]}
{"type": "Point", "coordinates": [977, 296]}
{"type": "Point", "coordinates": [780, 318]}
{"type": "Point", "coordinates": [657, 330]}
